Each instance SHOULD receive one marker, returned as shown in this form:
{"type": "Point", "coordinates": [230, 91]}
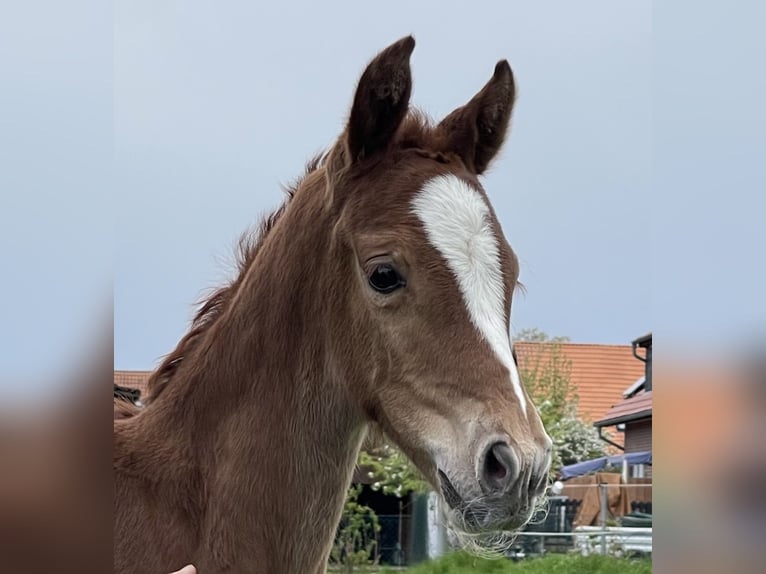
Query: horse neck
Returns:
{"type": "Point", "coordinates": [261, 408]}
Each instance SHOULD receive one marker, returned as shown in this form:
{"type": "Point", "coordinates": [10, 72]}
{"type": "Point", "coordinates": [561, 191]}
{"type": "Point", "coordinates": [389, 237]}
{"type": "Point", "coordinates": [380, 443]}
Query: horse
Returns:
{"type": "Point", "coordinates": [379, 293]}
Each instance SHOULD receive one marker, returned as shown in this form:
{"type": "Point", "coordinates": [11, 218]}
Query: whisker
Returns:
{"type": "Point", "coordinates": [490, 545]}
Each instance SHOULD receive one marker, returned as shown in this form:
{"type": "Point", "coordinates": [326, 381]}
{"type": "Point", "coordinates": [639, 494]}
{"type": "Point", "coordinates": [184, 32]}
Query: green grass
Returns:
{"type": "Point", "coordinates": [553, 564]}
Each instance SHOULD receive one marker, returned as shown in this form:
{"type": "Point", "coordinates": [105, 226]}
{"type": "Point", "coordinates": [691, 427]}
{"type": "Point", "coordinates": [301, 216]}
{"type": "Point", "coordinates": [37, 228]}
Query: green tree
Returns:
{"type": "Point", "coordinates": [574, 440]}
{"type": "Point", "coordinates": [391, 471]}
{"type": "Point", "coordinates": [356, 540]}
{"type": "Point", "coordinates": [535, 335]}
{"type": "Point", "coordinates": [393, 474]}
{"type": "Point", "coordinates": [545, 371]}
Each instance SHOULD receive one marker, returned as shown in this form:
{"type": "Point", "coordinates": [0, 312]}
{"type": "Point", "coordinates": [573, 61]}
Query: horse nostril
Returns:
{"type": "Point", "coordinates": [499, 468]}
{"type": "Point", "coordinates": [495, 468]}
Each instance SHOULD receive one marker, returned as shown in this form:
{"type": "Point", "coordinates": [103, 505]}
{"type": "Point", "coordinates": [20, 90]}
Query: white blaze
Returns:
{"type": "Point", "coordinates": [457, 222]}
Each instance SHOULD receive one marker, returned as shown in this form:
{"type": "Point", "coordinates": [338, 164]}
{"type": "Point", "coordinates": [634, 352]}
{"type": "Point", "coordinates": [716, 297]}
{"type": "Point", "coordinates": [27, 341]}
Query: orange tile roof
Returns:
{"type": "Point", "coordinates": [629, 409]}
{"type": "Point", "coordinates": [132, 380]}
{"type": "Point", "coordinates": [600, 373]}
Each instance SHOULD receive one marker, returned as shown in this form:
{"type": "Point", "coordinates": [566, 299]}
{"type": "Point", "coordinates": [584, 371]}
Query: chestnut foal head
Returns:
{"type": "Point", "coordinates": [426, 277]}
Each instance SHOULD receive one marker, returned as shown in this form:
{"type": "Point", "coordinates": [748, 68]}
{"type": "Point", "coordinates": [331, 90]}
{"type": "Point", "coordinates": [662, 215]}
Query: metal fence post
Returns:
{"type": "Point", "coordinates": [603, 517]}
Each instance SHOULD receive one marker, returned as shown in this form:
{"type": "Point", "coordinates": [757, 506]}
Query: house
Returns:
{"type": "Point", "coordinates": [599, 373]}
{"type": "Point", "coordinates": [127, 394]}
{"type": "Point", "coordinates": [632, 416]}
{"type": "Point", "coordinates": [132, 380]}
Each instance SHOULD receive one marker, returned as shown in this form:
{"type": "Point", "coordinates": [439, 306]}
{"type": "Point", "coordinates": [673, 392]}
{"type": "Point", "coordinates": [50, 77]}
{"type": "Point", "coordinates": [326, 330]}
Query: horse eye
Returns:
{"type": "Point", "coordinates": [385, 279]}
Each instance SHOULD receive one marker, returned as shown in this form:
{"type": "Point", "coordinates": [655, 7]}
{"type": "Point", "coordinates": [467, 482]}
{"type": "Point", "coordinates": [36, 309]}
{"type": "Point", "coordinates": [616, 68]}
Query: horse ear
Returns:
{"type": "Point", "coordinates": [477, 130]}
{"type": "Point", "coordinates": [381, 100]}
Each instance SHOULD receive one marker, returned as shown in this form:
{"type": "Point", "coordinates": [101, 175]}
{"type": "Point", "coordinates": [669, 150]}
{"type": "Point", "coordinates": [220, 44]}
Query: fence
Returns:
{"type": "Point", "coordinates": [557, 519]}
{"type": "Point", "coordinates": [611, 540]}
{"type": "Point", "coordinates": [557, 530]}
{"type": "Point", "coordinates": [598, 517]}
{"type": "Point", "coordinates": [392, 539]}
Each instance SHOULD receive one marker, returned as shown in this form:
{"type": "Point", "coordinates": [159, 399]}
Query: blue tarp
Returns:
{"type": "Point", "coordinates": [588, 466]}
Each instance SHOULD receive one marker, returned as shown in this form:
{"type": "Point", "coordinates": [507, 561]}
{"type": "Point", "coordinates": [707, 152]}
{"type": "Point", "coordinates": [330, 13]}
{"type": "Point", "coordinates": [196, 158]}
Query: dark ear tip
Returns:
{"type": "Point", "coordinates": [405, 46]}
{"type": "Point", "coordinates": [503, 70]}
{"type": "Point", "coordinates": [396, 54]}
{"type": "Point", "coordinates": [503, 76]}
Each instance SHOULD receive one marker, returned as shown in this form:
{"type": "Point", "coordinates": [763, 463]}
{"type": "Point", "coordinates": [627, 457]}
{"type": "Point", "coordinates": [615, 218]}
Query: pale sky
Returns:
{"type": "Point", "coordinates": [628, 186]}
{"type": "Point", "coordinates": [215, 107]}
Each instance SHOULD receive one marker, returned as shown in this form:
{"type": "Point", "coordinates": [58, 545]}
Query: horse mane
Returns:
{"type": "Point", "coordinates": [416, 131]}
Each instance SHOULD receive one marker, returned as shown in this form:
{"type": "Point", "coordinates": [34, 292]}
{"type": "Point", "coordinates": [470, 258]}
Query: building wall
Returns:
{"type": "Point", "coordinates": [638, 436]}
